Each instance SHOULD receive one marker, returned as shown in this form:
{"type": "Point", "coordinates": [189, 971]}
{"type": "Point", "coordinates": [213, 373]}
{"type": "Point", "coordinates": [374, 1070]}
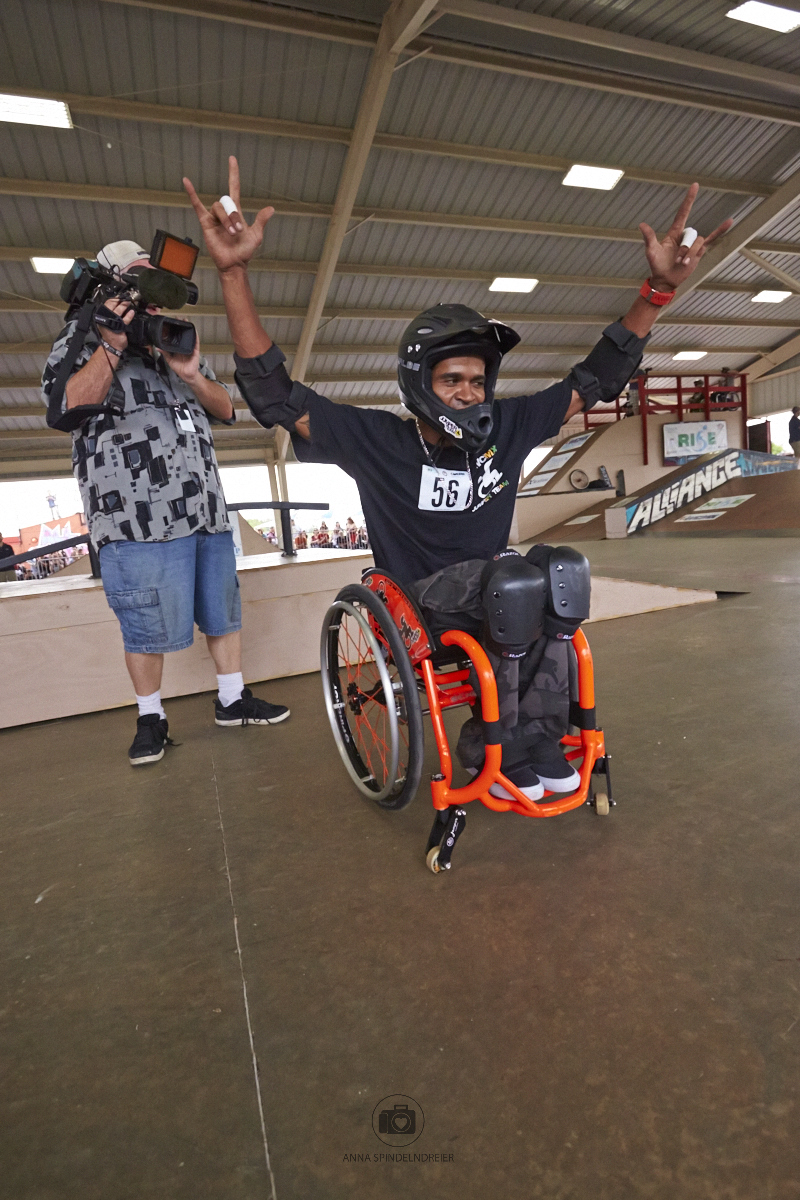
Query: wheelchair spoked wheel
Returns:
{"type": "Point", "coordinates": [363, 663]}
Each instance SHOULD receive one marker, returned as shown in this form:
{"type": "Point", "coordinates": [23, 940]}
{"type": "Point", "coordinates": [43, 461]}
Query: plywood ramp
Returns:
{"type": "Point", "coordinates": [763, 506]}
{"type": "Point", "coordinates": [60, 636]}
{"type": "Point", "coordinates": [587, 525]}
{"type": "Point", "coordinates": [617, 447]}
{"type": "Point", "coordinates": [750, 506]}
{"type": "Point", "coordinates": [626, 598]}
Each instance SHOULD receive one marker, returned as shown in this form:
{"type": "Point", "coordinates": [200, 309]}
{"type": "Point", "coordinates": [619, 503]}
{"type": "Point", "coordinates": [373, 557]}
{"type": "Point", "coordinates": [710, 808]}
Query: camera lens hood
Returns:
{"type": "Point", "coordinates": [161, 288]}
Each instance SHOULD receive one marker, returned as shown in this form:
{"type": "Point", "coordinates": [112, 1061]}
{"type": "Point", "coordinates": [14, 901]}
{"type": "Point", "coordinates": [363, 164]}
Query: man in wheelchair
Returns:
{"type": "Point", "coordinates": [438, 492]}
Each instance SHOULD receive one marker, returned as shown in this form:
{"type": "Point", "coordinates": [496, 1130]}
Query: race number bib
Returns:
{"type": "Point", "coordinates": [444, 491]}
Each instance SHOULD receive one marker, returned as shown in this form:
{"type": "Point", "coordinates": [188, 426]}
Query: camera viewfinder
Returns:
{"type": "Point", "coordinates": [175, 254]}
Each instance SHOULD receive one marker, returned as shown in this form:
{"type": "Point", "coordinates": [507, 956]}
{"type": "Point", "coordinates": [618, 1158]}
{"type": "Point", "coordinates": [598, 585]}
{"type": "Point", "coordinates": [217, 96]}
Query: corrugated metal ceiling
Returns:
{"type": "Point", "coordinates": [101, 49]}
{"type": "Point", "coordinates": [685, 23]}
{"type": "Point", "coordinates": [701, 27]}
{"type": "Point", "coordinates": [117, 50]}
{"type": "Point", "coordinates": [489, 108]}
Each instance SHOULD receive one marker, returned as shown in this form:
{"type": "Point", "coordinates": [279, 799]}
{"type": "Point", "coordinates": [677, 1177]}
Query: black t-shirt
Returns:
{"type": "Point", "coordinates": [419, 517]}
{"type": "Point", "coordinates": [794, 429]}
{"type": "Point", "coordinates": [6, 551]}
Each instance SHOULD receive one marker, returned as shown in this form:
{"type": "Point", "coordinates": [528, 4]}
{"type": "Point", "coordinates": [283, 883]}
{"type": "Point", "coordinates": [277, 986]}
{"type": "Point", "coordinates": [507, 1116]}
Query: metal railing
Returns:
{"type": "Point", "coordinates": [284, 507]}
{"type": "Point", "coordinates": [704, 397]}
{"type": "Point", "coordinates": [80, 539]}
{"type": "Point", "coordinates": [707, 397]}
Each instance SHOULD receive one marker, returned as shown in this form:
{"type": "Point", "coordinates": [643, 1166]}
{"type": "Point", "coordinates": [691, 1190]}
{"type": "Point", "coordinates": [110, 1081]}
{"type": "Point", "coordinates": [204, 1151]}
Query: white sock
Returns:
{"type": "Point", "coordinates": [150, 704]}
{"type": "Point", "coordinates": [230, 688]}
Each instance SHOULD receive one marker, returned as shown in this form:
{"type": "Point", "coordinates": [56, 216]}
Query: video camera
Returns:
{"type": "Point", "coordinates": [165, 284]}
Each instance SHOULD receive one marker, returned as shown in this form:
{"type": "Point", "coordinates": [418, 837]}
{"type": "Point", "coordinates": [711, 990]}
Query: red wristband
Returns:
{"type": "Point", "coordinates": [652, 296]}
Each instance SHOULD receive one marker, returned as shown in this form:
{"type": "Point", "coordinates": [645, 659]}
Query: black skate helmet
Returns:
{"type": "Point", "coordinates": [450, 331]}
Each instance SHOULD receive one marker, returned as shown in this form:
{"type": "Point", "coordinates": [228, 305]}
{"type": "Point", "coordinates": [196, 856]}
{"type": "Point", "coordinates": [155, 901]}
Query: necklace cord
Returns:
{"type": "Point", "coordinates": [432, 461]}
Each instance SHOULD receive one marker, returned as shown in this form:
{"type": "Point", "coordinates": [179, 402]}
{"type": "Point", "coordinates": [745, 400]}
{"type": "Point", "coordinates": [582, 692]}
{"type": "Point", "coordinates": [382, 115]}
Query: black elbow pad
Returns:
{"type": "Point", "coordinates": [607, 369]}
{"type": "Point", "coordinates": [270, 394]}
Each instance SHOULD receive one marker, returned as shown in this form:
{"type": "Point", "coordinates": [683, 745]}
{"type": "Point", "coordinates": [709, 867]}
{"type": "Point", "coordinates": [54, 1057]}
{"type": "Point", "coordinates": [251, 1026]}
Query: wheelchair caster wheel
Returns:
{"type": "Point", "coordinates": [601, 804]}
{"type": "Point", "coordinates": [432, 860]}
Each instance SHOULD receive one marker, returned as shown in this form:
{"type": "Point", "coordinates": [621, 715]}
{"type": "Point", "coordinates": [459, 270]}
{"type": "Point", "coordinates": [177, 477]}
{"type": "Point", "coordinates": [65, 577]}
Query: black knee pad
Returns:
{"type": "Point", "coordinates": [569, 586]}
{"type": "Point", "coordinates": [514, 596]}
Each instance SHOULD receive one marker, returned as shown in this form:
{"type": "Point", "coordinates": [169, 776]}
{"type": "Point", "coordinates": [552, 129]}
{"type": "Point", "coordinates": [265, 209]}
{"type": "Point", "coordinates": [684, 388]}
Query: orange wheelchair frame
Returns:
{"type": "Point", "coordinates": [387, 650]}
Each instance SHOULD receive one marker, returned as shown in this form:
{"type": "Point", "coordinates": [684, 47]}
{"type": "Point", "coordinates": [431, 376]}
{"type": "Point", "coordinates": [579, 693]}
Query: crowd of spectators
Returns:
{"type": "Point", "coordinates": [729, 396]}
{"type": "Point", "coordinates": [49, 564]}
{"type": "Point", "coordinates": [342, 537]}
{"type": "Point", "coordinates": [349, 536]}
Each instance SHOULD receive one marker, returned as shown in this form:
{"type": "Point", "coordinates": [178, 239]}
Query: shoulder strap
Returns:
{"type": "Point", "coordinates": [55, 418]}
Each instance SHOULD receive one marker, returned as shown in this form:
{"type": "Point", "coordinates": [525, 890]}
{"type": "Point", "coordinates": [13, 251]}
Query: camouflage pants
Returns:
{"type": "Point", "coordinates": [533, 692]}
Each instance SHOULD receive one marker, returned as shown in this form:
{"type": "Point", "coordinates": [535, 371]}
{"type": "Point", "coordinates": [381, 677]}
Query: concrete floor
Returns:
{"type": "Point", "coordinates": [586, 1008]}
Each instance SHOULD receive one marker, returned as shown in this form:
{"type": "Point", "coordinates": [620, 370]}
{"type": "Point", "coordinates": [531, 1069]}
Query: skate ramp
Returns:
{"type": "Point", "coordinates": [753, 506]}
{"type": "Point", "coordinates": [612, 598]}
{"type": "Point", "coordinates": [733, 494]}
{"type": "Point", "coordinates": [546, 497]}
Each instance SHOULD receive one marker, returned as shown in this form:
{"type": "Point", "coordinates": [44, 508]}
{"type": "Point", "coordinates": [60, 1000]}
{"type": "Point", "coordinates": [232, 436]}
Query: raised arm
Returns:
{"type": "Point", "coordinates": [670, 264]}
{"type": "Point", "coordinates": [231, 242]}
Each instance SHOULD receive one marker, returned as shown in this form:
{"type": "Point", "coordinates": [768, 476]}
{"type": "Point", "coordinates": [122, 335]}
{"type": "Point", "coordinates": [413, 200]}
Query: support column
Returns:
{"type": "Point", "coordinates": [400, 25]}
{"type": "Point", "coordinates": [283, 487]}
{"type": "Point", "coordinates": [273, 479]}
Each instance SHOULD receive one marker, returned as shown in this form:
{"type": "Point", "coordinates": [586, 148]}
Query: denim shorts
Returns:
{"type": "Point", "coordinates": [158, 590]}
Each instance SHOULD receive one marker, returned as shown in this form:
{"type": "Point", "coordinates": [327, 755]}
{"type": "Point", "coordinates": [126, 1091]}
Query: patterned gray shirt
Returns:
{"type": "Point", "coordinates": [147, 473]}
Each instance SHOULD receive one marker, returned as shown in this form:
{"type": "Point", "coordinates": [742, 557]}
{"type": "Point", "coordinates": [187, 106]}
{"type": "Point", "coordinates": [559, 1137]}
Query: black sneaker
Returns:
{"type": "Point", "coordinates": [557, 775]}
{"type": "Point", "coordinates": [152, 735]}
{"type": "Point", "coordinates": [249, 710]}
{"type": "Point", "coordinates": [525, 779]}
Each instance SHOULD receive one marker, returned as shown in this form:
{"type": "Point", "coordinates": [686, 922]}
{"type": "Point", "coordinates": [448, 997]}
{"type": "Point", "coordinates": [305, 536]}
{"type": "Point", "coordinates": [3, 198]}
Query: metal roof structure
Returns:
{"type": "Point", "coordinates": [412, 151]}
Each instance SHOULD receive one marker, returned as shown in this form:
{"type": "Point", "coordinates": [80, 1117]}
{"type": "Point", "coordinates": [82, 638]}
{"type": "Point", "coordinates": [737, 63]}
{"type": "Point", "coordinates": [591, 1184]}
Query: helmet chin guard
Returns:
{"type": "Point", "coordinates": [452, 331]}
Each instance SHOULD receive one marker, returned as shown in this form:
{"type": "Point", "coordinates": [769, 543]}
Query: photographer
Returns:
{"type": "Point", "coordinates": [144, 459]}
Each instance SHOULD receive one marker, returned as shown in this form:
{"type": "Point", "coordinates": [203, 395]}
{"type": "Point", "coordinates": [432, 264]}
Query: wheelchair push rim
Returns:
{"type": "Point", "coordinates": [380, 744]}
{"type": "Point", "coordinates": [355, 682]}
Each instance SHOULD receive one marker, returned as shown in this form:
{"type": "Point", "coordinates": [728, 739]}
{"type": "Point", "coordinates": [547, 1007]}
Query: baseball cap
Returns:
{"type": "Point", "coordinates": [119, 255]}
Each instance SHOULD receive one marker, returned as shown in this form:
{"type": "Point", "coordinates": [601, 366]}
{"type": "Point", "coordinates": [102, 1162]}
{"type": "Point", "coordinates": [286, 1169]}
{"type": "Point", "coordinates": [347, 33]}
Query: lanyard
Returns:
{"type": "Point", "coordinates": [432, 461]}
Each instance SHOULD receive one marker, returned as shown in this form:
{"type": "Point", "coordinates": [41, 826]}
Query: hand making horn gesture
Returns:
{"type": "Point", "coordinates": [675, 257]}
{"type": "Point", "coordinates": [230, 241]}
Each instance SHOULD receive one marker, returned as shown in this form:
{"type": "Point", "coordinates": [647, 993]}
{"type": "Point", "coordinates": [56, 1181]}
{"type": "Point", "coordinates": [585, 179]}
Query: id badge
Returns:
{"type": "Point", "coordinates": [444, 491]}
{"type": "Point", "coordinates": [183, 419]}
